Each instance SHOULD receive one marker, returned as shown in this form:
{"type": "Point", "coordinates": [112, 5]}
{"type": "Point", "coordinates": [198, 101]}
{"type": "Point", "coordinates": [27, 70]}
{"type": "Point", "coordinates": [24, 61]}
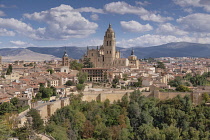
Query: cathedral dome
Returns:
{"type": "Point", "coordinates": [65, 54]}
{"type": "Point", "coordinates": [110, 28]}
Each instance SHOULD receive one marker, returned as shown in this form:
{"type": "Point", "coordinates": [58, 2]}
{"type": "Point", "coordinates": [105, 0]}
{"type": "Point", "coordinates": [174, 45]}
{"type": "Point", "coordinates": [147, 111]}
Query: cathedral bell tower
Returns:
{"type": "Point", "coordinates": [109, 47]}
{"type": "Point", "coordinates": [65, 59]}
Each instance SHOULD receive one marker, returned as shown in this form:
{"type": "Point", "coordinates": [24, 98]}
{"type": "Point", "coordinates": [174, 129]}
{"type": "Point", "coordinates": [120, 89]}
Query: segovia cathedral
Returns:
{"type": "Point", "coordinates": [107, 56]}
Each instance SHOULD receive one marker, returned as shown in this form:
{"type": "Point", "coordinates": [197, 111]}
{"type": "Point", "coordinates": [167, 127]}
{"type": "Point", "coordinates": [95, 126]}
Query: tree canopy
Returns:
{"type": "Point", "coordinates": [135, 117]}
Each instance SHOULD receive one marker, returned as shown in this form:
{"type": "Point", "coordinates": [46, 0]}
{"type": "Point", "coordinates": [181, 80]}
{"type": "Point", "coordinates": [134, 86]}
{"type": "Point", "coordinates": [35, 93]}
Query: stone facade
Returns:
{"type": "Point", "coordinates": [107, 56]}
{"type": "Point", "coordinates": [96, 74]}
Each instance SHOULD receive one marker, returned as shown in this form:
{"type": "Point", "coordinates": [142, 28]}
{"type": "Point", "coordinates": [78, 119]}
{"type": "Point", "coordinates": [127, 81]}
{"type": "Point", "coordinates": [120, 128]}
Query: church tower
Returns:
{"type": "Point", "coordinates": [65, 59]}
{"type": "Point", "coordinates": [109, 47]}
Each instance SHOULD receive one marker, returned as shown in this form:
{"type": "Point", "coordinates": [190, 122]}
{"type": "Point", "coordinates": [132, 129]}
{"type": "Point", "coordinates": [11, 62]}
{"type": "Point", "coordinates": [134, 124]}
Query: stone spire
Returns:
{"type": "Point", "coordinates": [65, 53]}
{"type": "Point", "coordinates": [132, 52]}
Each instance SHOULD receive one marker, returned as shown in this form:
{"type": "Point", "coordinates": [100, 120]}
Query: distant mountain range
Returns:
{"type": "Point", "coordinates": [180, 49]}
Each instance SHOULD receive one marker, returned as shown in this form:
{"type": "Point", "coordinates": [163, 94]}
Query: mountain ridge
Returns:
{"type": "Point", "coordinates": [174, 49]}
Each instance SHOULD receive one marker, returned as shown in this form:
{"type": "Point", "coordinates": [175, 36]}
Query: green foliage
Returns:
{"type": "Point", "coordinates": [45, 92]}
{"type": "Point", "coordinates": [182, 88]}
{"type": "Point", "coordinates": [125, 76]}
{"type": "Point", "coordinates": [21, 109]}
{"type": "Point", "coordinates": [69, 83]}
{"type": "Point", "coordinates": [9, 70]}
{"type": "Point", "coordinates": [5, 130]}
{"type": "Point", "coordinates": [136, 117]}
{"type": "Point", "coordinates": [51, 71]}
{"type": "Point", "coordinates": [205, 97]}
{"type": "Point", "coordinates": [6, 108]}
{"type": "Point", "coordinates": [14, 101]}
{"type": "Point", "coordinates": [198, 80]}
{"type": "Point", "coordinates": [176, 82]}
{"type": "Point", "coordinates": [57, 132]}
{"type": "Point", "coordinates": [80, 87]}
{"type": "Point", "coordinates": [13, 106]}
{"type": "Point", "coordinates": [160, 65]}
{"type": "Point", "coordinates": [82, 77]}
{"type": "Point", "coordinates": [115, 81]}
{"type": "Point", "coordinates": [75, 65]}
{"type": "Point", "coordinates": [139, 83]}
{"type": "Point", "coordinates": [87, 63]}
{"type": "Point", "coordinates": [37, 121]}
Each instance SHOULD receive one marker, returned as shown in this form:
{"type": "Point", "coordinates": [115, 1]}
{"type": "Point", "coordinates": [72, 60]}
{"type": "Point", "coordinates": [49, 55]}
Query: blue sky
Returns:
{"type": "Point", "coordinates": [54, 23]}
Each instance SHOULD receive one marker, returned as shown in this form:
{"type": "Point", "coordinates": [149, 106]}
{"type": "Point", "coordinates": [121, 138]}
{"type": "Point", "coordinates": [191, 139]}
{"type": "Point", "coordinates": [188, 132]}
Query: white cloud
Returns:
{"type": "Point", "coordinates": [5, 32]}
{"type": "Point", "coordinates": [134, 26]}
{"type": "Point", "coordinates": [2, 6]}
{"type": "Point", "coordinates": [186, 3]}
{"type": "Point", "coordinates": [195, 22]}
{"type": "Point", "coordinates": [15, 24]}
{"type": "Point", "coordinates": [19, 27]}
{"type": "Point", "coordinates": [89, 9]}
{"type": "Point", "coordinates": [169, 29]}
{"type": "Point", "coordinates": [63, 22]}
{"type": "Point", "coordinates": [21, 43]}
{"type": "Point", "coordinates": [94, 17]}
{"type": "Point", "coordinates": [188, 10]}
{"type": "Point", "coordinates": [155, 18]}
{"type": "Point", "coordinates": [124, 8]}
{"type": "Point", "coordinates": [154, 40]}
{"type": "Point", "coordinates": [144, 3]}
{"type": "Point", "coordinates": [205, 4]}
{"type": "Point", "coordinates": [2, 14]}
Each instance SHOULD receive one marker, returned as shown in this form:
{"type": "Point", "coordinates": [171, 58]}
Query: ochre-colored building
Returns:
{"type": "Point", "coordinates": [107, 56]}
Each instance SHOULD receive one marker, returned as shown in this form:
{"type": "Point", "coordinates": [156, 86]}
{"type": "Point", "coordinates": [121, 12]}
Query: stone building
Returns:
{"type": "Point", "coordinates": [65, 64]}
{"type": "Point", "coordinates": [65, 59]}
{"type": "Point", "coordinates": [107, 56]}
{"type": "Point", "coordinates": [96, 74]}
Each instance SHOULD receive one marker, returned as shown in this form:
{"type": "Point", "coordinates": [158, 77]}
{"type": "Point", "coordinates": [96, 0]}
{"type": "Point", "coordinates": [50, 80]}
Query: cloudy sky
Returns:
{"type": "Point", "coordinates": [43, 23]}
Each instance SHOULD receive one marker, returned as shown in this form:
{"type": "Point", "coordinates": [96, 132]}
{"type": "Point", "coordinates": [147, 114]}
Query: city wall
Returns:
{"type": "Point", "coordinates": [48, 109]}
{"type": "Point", "coordinates": [115, 95]}
{"type": "Point", "coordinates": [45, 110]}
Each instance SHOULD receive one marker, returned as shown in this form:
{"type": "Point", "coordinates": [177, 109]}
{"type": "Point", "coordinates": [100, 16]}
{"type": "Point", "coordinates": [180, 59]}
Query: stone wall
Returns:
{"type": "Point", "coordinates": [115, 95]}
{"type": "Point", "coordinates": [45, 110]}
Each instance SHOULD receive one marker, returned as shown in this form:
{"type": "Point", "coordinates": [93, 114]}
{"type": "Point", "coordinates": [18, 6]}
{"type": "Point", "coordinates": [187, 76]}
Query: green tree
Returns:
{"type": "Point", "coordinates": [38, 123]}
{"type": "Point", "coordinates": [82, 77]}
{"type": "Point", "coordinates": [6, 108]}
{"type": "Point", "coordinates": [80, 87]}
{"type": "Point", "coordinates": [160, 65]}
{"type": "Point", "coordinates": [139, 83]}
{"type": "Point", "coordinates": [5, 130]}
{"type": "Point", "coordinates": [45, 92]}
{"type": "Point", "coordinates": [69, 83]}
{"type": "Point", "coordinates": [115, 81]}
{"type": "Point", "coordinates": [75, 65]}
{"type": "Point", "coordinates": [51, 71]}
{"type": "Point", "coordinates": [9, 70]}
{"type": "Point", "coordinates": [125, 76]}
{"type": "Point", "coordinates": [205, 97]}
{"type": "Point", "coordinates": [58, 132]}
{"type": "Point", "coordinates": [176, 82]}
{"type": "Point", "coordinates": [182, 88]}
{"type": "Point", "coordinates": [14, 101]}
{"type": "Point", "coordinates": [171, 133]}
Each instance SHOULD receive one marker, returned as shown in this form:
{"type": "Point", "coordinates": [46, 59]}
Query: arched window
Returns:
{"type": "Point", "coordinates": [107, 43]}
{"type": "Point", "coordinates": [110, 43]}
